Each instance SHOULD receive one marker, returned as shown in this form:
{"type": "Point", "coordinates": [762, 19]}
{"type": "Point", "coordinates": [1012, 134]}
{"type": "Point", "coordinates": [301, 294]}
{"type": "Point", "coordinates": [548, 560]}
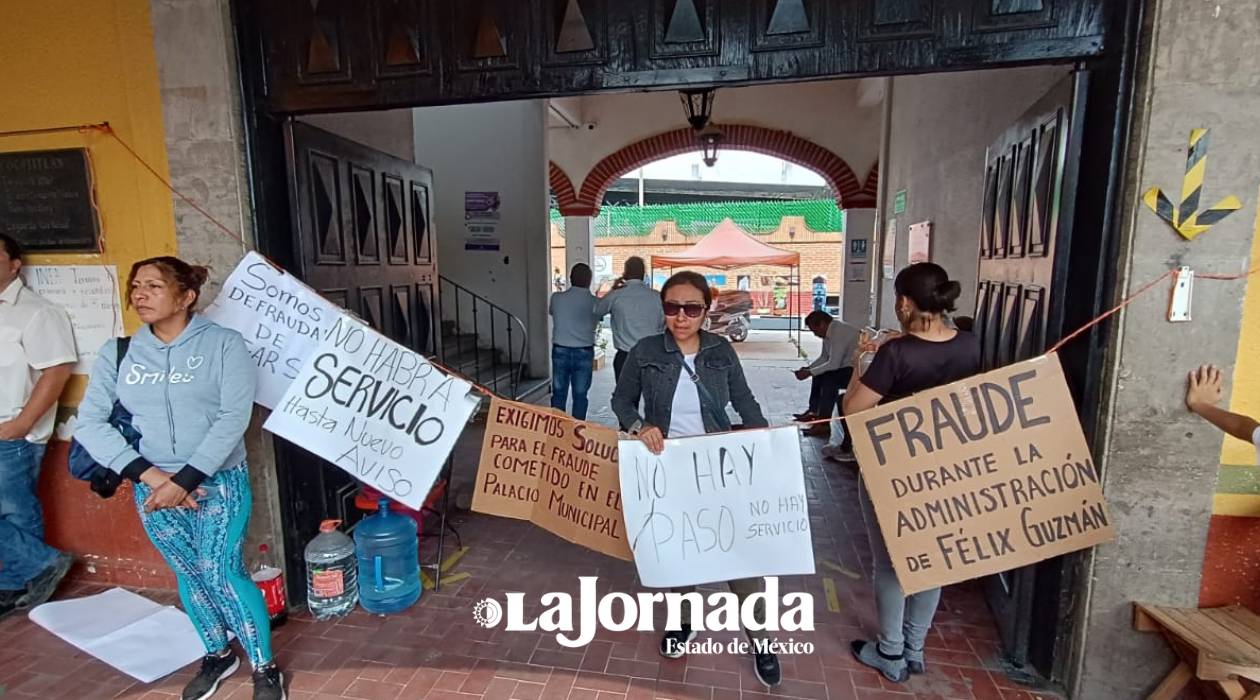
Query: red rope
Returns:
{"type": "Point", "coordinates": [1129, 300]}
{"type": "Point", "coordinates": [185, 198]}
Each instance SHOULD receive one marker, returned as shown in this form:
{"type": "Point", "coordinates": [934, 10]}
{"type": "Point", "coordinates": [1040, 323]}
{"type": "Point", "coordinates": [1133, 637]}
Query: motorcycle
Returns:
{"type": "Point", "coordinates": [731, 315]}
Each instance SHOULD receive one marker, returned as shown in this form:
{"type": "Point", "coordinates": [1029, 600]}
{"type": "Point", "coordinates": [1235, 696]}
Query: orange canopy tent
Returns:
{"type": "Point", "coordinates": [727, 247]}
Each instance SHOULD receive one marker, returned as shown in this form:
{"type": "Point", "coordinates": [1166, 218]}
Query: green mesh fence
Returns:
{"type": "Point", "coordinates": [700, 218]}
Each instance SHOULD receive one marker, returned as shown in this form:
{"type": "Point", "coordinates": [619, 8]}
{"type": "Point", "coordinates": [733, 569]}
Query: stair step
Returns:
{"type": "Point", "coordinates": [472, 360]}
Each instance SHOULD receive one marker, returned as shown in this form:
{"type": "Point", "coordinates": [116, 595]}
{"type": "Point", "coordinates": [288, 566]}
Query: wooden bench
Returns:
{"type": "Point", "coordinates": [1218, 646]}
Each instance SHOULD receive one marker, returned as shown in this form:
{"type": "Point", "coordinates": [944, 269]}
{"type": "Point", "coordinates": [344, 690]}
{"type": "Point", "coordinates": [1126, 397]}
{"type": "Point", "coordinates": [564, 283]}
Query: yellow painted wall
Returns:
{"type": "Point", "coordinates": [69, 62]}
{"type": "Point", "coordinates": [1245, 397]}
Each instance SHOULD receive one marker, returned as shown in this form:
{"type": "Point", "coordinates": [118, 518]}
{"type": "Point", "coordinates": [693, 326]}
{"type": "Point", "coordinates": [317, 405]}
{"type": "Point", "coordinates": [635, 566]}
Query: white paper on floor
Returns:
{"type": "Point", "coordinates": [135, 635]}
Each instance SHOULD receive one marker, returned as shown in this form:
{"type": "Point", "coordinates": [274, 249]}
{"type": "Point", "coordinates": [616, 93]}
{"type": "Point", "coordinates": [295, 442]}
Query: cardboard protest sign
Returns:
{"type": "Point", "coordinates": [717, 508]}
{"type": "Point", "coordinates": [281, 319]}
{"type": "Point", "coordinates": [561, 474]}
{"type": "Point", "coordinates": [377, 410]}
{"type": "Point", "coordinates": [980, 476]}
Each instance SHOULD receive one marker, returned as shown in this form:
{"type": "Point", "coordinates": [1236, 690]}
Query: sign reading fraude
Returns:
{"type": "Point", "coordinates": [980, 476]}
{"type": "Point", "coordinates": [375, 409]}
{"type": "Point", "coordinates": [541, 465]}
{"type": "Point", "coordinates": [717, 508]}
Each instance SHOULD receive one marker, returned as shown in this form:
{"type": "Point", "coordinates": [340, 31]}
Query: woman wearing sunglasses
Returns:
{"type": "Point", "coordinates": [686, 377]}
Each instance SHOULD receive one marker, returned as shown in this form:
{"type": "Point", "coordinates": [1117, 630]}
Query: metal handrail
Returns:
{"type": "Point", "coordinates": [516, 359]}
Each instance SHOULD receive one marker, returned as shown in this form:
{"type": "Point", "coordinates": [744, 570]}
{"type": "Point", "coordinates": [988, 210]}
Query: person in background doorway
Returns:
{"type": "Point", "coordinates": [828, 375]}
{"type": "Point", "coordinates": [37, 353]}
{"type": "Point", "coordinates": [573, 342]}
{"type": "Point", "coordinates": [189, 385]}
{"type": "Point", "coordinates": [557, 280]}
{"type": "Point", "coordinates": [1203, 394]}
{"type": "Point", "coordinates": [685, 378]}
{"type": "Point", "coordinates": [635, 308]}
{"type": "Point", "coordinates": [929, 354]}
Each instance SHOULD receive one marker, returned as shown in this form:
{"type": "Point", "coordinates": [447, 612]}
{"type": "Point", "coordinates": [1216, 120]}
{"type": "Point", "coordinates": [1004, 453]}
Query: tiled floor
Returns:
{"type": "Point", "coordinates": [435, 651]}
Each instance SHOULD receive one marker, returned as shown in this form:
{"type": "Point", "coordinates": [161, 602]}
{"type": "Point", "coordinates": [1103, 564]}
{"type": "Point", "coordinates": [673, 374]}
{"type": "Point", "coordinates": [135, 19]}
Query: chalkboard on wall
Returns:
{"type": "Point", "coordinates": [46, 200]}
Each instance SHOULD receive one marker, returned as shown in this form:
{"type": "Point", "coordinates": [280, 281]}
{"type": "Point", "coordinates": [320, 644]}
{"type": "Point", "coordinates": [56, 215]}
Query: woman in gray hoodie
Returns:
{"type": "Point", "coordinates": [189, 385]}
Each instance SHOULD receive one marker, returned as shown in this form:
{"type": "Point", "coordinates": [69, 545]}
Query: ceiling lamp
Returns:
{"type": "Point", "coordinates": [710, 139]}
{"type": "Point", "coordinates": [699, 106]}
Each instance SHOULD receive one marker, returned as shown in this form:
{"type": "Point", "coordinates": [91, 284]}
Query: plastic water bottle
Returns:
{"type": "Point", "coordinates": [332, 586]}
{"type": "Point", "coordinates": [389, 561]}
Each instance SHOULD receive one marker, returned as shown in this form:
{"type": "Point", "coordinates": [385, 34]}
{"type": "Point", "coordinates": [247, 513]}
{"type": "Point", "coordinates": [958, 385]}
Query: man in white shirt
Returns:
{"type": "Point", "coordinates": [37, 354]}
{"type": "Point", "coordinates": [573, 342]}
{"type": "Point", "coordinates": [635, 308]}
{"type": "Point", "coordinates": [829, 373]}
{"type": "Point", "coordinates": [1203, 393]}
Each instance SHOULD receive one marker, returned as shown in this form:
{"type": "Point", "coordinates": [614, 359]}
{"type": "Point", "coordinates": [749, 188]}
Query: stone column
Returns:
{"type": "Point", "coordinates": [1160, 463]}
{"type": "Point", "coordinates": [196, 56]}
{"type": "Point", "coordinates": [579, 242]}
{"type": "Point", "coordinates": [859, 251]}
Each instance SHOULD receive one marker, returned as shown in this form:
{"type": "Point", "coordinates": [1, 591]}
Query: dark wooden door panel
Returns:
{"type": "Point", "coordinates": [322, 55]}
{"type": "Point", "coordinates": [363, 238]}
{"type": "Point", "coordinates": [1024, 172]}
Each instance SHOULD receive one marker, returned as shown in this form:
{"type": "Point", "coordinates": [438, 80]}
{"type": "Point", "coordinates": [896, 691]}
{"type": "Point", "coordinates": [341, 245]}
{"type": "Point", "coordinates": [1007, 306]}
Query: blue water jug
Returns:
{"type": "Point", "coordinates": [387, 545]}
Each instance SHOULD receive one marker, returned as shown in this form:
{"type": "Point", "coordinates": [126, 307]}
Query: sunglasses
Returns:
{"type": "Point", "coordinates": [692, 310]}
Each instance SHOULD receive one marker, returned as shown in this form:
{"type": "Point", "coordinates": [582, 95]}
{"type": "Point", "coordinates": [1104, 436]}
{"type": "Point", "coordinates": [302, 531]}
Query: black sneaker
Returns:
{"type": "Point", "coordinates": [42, 587]}
{"type": "Point", "coordinates": [8, 602]}
{"type": "Point", "coordinates": [673, 644]}
{"type": "Point", "coordinates": [269, 684]}
{"type": "Point", "coordinates": [214, 669]}
{"type": "Point", "coordinates": [766, 666]}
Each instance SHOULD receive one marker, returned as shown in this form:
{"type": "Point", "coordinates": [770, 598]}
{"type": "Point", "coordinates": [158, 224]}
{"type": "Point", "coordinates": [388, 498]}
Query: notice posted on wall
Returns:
{"type": "Point", "coordinates": [717, 508]}
{"type": "Point", "coordinates": [89, 294]}
{"type": "Point", "coordinates": [541, 465]}
{"type": "Point", "coordinates": [984, 475]}
{"type": "Point", "coordinates": [282, 320]}
{"type": "Point", "coordinates": [481, 221]}
{"type": "Point", "coordinates": [384, 414]}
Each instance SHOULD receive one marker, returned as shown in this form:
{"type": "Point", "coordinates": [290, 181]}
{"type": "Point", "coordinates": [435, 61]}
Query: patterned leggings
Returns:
{"type": "Point", "coordinates": [203, 547]}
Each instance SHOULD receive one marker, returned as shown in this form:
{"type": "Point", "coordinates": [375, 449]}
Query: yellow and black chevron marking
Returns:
{"type": "Point", "coordinates": [1186, 218]}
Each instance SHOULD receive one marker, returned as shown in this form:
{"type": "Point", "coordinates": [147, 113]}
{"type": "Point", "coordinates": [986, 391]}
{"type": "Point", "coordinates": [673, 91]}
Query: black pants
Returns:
{"type": "Point", "coordinates": [824, 392]}
{"type": "Point", "coordinates": [619, 361]}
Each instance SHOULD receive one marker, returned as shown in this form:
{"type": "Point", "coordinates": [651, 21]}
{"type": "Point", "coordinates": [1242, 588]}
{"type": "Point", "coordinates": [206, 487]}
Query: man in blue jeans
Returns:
{"type": "Point", "coordinates": [37, 354]}
{"type": "Point", "coordinates": [573, 342]}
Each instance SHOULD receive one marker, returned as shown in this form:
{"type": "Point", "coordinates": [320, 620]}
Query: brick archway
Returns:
{"type": "Point", "coordinates": [772, 142]}
{"type": "Point", "coordinates": [562, 188]}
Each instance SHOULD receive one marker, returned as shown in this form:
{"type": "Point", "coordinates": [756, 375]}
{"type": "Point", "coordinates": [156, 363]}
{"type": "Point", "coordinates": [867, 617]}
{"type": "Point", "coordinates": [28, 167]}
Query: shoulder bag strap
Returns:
{"type": "Point", "coordinates": [121, 350]}
{"type": "Point", "coordinates": [719, 412]}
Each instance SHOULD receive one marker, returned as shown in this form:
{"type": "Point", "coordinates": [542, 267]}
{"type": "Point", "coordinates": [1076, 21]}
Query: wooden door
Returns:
{"type": "Point", "coordinates": [1020, 273]}
{"type": "Point", "coordinates": [363, 238]}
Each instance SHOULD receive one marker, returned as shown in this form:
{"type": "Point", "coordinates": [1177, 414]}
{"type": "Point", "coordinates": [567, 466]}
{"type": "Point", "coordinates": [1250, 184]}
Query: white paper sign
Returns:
{"type": "Point", "coordinates": [89, 294]}
{"type": "Point", "coordinates": [135, 635]}
{"type": "Point", "coordinates": [717, 508]}
{"type": "Point", "coordinates": [281, 319]}
{"type": "Point", "coordinates": [377, 410]}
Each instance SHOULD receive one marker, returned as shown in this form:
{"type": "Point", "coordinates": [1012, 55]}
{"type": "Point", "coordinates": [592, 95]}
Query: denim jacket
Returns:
{"type": "Point", "coordinates": [652, 371]}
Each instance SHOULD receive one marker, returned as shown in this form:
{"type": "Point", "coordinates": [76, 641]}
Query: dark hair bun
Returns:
{"type": "Point", "coordinates": [929, 287]}
{"type": "Point", "coordinates": [945, 295]}
{"type": "Point", "coordinates": [197, 276]}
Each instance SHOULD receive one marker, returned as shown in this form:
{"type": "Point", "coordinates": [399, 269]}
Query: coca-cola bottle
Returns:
{"type": "Point", "coordinates": [270, 580]}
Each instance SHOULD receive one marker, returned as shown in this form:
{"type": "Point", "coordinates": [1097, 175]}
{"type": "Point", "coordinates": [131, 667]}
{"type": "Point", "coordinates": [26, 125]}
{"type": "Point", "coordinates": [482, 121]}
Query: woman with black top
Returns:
{"type": "Point", "coordinates": [929, 354]}
{"type": "Point", "coordinates": [685, 378]}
